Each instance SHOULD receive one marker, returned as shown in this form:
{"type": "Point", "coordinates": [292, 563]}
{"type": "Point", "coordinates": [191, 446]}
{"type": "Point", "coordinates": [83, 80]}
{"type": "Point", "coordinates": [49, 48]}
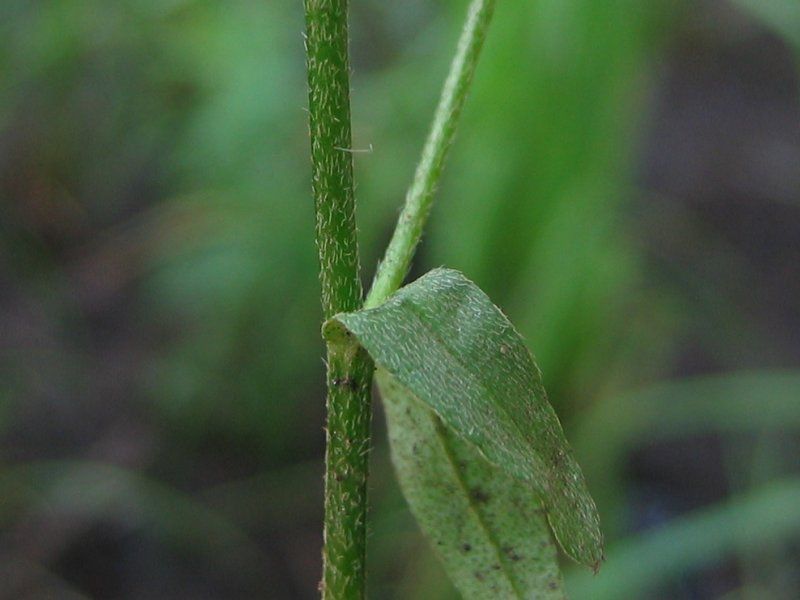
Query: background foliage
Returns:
{"type": "Point", "coordinates": [625, 185]}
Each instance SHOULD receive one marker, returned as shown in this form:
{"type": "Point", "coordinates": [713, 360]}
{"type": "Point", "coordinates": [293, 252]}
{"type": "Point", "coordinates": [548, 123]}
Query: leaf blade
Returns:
{"type": "Point", "coordinates": [488, 529]}
{"type": "Point", "coordinates": [443, 339]}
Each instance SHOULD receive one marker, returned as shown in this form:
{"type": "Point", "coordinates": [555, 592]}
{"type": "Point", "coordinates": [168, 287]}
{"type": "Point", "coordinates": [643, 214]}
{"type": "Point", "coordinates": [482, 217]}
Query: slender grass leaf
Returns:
{"type": "Point", "coordinates": [638, 565]}
{"type": "Point", "coordinates": [443, 339]}
{"type": "Point", "coordinates": [488, 528]}
{"type": "Point", "coordinates": [722, 404]}
{"type": "Point", "coordinates": [88, 490]}
{"type": "Point", "coordinates": [783, 16]}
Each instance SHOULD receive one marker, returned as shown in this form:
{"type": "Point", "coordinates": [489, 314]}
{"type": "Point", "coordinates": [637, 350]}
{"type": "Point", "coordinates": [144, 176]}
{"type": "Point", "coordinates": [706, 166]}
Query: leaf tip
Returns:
{"type": "Point", "coordinates": [580, 538]}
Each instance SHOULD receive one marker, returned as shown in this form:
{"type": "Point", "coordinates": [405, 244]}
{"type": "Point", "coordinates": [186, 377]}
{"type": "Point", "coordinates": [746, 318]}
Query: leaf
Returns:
{"type": "Point", "coordinates": [720, 404]}
{"type": "Point", "coordinates": [672, 552]}
{"type": "Point", "coordinates": [488, 528]}
{"type": "Point", "coordinates": [783, 16]}
{"type": "Point", "coordinates": [443, 339]}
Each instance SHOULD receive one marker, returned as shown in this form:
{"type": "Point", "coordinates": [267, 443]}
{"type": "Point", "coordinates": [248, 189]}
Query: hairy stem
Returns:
{"type": "Point", "coordinates": [332, 165]}
{"type": "Point", "coordinates": [407, 233]}
{"type": "Point", "coordinates": [349, 368]}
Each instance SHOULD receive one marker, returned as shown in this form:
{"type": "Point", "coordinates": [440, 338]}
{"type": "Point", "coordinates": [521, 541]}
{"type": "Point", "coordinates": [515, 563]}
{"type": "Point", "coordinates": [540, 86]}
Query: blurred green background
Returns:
{"type": "Point", "coordinates": [625, 184]}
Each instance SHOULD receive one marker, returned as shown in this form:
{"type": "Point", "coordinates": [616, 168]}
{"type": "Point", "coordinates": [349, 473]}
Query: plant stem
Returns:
{"type": "Point", "coordinates": [397, 259]}
{"type": "Point", "coordinates": [332, 165]}
{"type": "Point", "coordinates": [349, 368]}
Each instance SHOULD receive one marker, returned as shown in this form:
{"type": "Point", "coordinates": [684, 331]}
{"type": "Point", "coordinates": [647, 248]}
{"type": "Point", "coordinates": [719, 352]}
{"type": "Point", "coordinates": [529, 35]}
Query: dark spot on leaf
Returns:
{"type": "Point", "coordinates": [466, 547]}
{"type": "Point", "coordinates": [496, 567]}
{"type": "Point", "coordinates": [478, 495]}
{"type": "Point", "coordinates": [479, 576]}
{"type": "Point", "coordinates": [511, 553]}
{"type": "Point", "coordinates": [553, 585]}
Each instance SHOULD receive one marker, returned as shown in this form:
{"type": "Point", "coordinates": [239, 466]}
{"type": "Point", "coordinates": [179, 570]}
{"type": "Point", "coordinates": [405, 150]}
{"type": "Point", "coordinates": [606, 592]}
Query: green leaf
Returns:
{"type": "Point", "coordinates": [488, 528]}
{"type": "Point", "coordinates": [443, 339]}
{"type": "Point", "coordinates": [647, 561]}
{"type": "Point", "coordinates": [783, 16]}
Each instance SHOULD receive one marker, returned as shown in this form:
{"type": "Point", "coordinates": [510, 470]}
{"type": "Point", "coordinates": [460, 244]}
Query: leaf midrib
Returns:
{"type": "Point", "coordinates": [441, 437]}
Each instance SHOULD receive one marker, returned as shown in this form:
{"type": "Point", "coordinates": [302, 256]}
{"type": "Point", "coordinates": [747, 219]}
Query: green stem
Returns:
{"type": "Point", "coordinates": [332, 164]}
{"type": "Point", "coordinates": [349, 368]}
{"type": "Point", "coordinates": [419, 198]}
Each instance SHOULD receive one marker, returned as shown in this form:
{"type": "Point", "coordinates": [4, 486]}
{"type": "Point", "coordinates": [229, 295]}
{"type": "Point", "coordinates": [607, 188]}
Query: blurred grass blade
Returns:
{"type": "Point", "coordinates": [87, 490]}
{"type": "Point", "coordinates": [30, 579]}
{"type": "Point", "coordinates": [443, 339]}
{"type": "Point", "coordinates": [689, 543]}
{"type": "Point", "coordinates": [730, 403]}
{"type": "Point", "coordinates": [719, 403]}
{"type": "Point", "coordinates": [782, 16]}
{"type": "Point", "coordinates": [488, 528]}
